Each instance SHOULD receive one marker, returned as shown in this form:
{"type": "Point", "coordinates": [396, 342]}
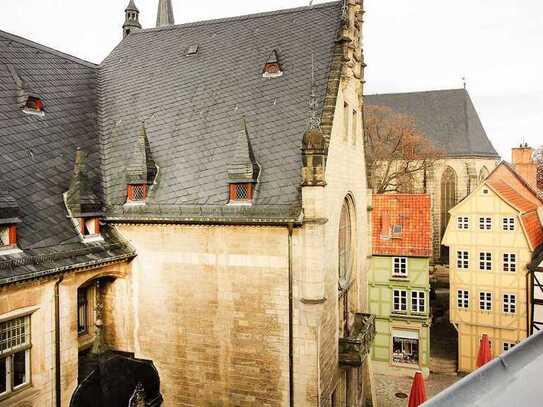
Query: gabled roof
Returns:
{"type": "Point", "coordinates": [243, 166]}
{"type": "Point", "coordinates": [412, 213]}
{"type": "Point", "coordinates": [38, 157]}
{"type": "Point", "coordinates": [514, 190]}
{"type": "Point", "coordinates": [192, 106]}
{"type": "Point", "coordinates": [447, 117]}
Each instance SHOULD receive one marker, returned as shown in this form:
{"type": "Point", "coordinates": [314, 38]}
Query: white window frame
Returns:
{"type": "Point", "coordinates": [485, 223]}
{"type": "Point", "coordinates": [399, 267]}
{"type": "Point", "coordinates": [508, 224]}
{"type": "Point", "coordinates": [462, 259]}
{"type": "Point", "coordinates": [509, 262]}
{"type": "Point", "coordinates": [485, 301]}
{"type": "Point", "coordinates": [9, 348]}
{"type": "Point", "coordinates": [509, 303]}
{"type": "Point", "coordinates": [462, 222]}
{"type": "Point", "coordinates": [418, 302]}
{"type": "Point", "coordinates": [462, 299]}
{"type": "Point", "coordinates": [508, 345]}
{"type": "Point", "coordinates": [485, 261]}
{"type": "Point", "coordinates": [401, 304]}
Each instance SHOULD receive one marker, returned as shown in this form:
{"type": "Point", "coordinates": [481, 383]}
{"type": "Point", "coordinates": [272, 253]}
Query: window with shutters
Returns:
{"type": "Point", "coordinates": [14, 354]}
{"type": "Point", "coordinates": [8, 236]}
{"type": "Point", "coordinates": [241, 192]}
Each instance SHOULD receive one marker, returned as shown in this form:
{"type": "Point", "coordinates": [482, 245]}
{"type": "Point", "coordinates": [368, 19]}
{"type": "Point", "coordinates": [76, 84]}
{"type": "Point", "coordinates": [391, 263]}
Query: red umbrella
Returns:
{"type": "Point", "coordinates": [418, 391]}
{"type": "Point", "coordinates": [484, 355]}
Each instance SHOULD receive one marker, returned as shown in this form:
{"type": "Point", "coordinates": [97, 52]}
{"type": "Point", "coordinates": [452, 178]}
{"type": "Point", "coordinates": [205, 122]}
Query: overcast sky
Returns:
{"type": "Point", "coordinates": [411, 45]}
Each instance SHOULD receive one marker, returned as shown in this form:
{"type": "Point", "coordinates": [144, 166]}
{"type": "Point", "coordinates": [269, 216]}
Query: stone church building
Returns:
{"type": "Point", "coordinates": [450, 121]}
{"type": "Point", "coordinates": [180, 224]}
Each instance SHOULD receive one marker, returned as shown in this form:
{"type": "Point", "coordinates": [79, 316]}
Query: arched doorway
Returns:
{"type": "Point", "coordinates": [449, 186]}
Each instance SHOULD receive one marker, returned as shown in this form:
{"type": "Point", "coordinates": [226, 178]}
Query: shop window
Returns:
{"type": "Point", "coordinates": [405, 350]}
{"type": "Point", "coordinates": [14, 354]}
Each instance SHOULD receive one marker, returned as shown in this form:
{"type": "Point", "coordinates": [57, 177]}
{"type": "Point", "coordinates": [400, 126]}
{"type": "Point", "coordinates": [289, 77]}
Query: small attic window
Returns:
{"type": "Point", "coordinates": [485, 191]}
{"type": "Point", "coordinates": [272, 67]}
{"type": "Point", "coordinates": [241, 192]}
{"type": "Point", "coordinates": [8, 236]}
{"type": "Point", "coordinates": [34, 105]}
{"type": "Point", "coordinates": [396, 230]}
{"type": "Point", "coordinates": [136, 192]}
{"type": "Point", "coordinates": [90, 227]}
{"type": "Point", "coordinates": [193, 49]}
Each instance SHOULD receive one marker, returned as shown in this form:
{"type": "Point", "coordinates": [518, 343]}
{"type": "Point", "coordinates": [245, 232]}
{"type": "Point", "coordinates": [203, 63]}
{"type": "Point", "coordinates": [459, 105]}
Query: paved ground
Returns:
{"type": "Point", "coordinates": [388, 386]}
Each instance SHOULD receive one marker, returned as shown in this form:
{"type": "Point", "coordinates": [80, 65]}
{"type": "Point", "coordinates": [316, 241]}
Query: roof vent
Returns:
{"type": "Point", "coordinates": [193, 49]}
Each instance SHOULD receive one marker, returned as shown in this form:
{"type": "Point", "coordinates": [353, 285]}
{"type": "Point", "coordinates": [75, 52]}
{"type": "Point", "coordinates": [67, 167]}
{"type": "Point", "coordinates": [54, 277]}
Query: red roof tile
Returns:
{"type": "Point", "coordinates": [514, 197]}
{"type": "Point", "coordinates": [411, 212]}
{"type": "Point", "coordinates": [533, 228]}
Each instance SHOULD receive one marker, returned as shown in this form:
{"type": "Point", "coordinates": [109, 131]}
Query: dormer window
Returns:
{"type": "Point", "coordinates": [8, 236]}
{"type": "Point", "coordinates": [136, 192]}
{"type": "Point", "coordinates": [90, 227]}
{"type": "Point", "coordinates": [241, 192]}
{"type": "Point", "coordinates": [396, 231]}
{"type": "Point", "coordinates": [272, 68]}
{"type": "Point", "coordinates": [34, 105]}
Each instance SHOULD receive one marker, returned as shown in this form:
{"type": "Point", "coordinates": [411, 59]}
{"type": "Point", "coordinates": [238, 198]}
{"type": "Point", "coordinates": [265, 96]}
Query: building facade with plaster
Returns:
{"type": "Point", "coordinates": [492, 235]}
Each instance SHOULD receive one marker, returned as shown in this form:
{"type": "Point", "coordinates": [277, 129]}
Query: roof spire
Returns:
{"type": "Point", "coordinates": [80, 198]}
{"type": "Point", "coordinates": [141, 168]}
{"type": "Point", "coordinates": [131, 19]}
{"type": "Point", "coordinates": [243, 167]}
{"type": "Point", "coordinates": [164, 15]}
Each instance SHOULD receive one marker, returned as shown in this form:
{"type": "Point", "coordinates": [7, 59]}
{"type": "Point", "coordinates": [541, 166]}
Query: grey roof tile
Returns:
{"type": "Point", "coordinates": [447, 117]}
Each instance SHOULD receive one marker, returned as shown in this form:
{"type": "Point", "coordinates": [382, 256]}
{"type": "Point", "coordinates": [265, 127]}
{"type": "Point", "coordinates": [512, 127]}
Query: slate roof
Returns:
{"type": "Point", "coordinates": [447, 117]}
{"type": "Point", "coordinates": [38, 157]}
{"type": "Point", "coordinates": [412, 213]}
{"type": "Point", "coordinates": [192, 106]}
{"type": "Point", "coordinates": [511, 379]}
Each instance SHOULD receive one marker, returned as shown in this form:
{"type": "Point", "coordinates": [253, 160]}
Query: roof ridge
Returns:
{"type": "Point", "coordinates": [417, 92]}
{"type": "Point", "coordinates": [45, 48]}
{"type": "Point", "coordinates": [238, 18]}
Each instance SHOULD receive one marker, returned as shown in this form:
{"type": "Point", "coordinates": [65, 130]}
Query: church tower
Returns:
{"type": "Point", "coordinates": [131, 19]}
{"type": "Point", "coordinates": [164, 15]}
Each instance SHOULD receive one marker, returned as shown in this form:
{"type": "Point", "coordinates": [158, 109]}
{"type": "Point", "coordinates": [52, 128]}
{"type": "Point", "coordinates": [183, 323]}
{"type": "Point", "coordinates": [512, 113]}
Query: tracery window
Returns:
{"type": "Point", "coordinates": [14, 354]}
{"type": "Point", "coordinates": [448, 200]}
{"type": "Point", "coordinates": [346, 245]}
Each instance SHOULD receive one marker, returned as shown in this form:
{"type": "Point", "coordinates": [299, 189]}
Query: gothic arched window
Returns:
{"type": "Point", "coordinates": [448, 200]}
{"type": "Point", "coordinates": [345, 242]}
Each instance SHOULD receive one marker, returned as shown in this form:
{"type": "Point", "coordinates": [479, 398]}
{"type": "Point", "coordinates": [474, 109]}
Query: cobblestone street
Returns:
{"type": "Point", "coordinates": [388, 386]}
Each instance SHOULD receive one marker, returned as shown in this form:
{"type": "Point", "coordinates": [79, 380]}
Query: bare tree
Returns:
{"type": "Point", "coordinates": [397, 153]}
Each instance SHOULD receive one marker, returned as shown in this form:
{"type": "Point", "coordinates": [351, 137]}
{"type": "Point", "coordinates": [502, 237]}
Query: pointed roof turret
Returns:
{"type": "Point", "coordinates": [164, 15]}
{"type": "Point", "coordinates": [80, 198]}
{"type": "Point", "coordinates": [141, 167]}
{"type": "Point", "coordinates": [131, 19]}
{"type": "Point", "coordinates": [131, 6]}
{"type": "Point", "coordinates": [243, 166]}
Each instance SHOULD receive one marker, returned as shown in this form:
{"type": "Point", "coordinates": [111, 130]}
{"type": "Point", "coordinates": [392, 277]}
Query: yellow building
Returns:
{"type": "Point", "coordinates": [491, 236]}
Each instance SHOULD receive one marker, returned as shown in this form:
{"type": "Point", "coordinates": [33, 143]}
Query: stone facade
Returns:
{"type": "Point", "coordinates": [37, 299]}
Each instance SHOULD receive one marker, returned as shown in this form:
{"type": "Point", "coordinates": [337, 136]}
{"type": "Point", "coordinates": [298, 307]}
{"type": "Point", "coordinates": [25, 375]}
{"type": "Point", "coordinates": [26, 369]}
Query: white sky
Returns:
{"type": "Point", "coordinates": [411, 45]}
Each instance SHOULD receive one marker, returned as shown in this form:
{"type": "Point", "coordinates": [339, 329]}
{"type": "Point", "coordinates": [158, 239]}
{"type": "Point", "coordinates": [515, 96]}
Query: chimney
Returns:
{"type": "Point", "coordinates": [524, 164]}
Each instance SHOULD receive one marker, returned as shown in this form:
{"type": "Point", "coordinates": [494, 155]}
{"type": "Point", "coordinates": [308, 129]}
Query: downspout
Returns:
{"type": "Point", "coordinates": [290, 320]}
{"type": "Point", "coordinates": [57, 342]}
{"type": "Point", "coordinates": [529, 294]}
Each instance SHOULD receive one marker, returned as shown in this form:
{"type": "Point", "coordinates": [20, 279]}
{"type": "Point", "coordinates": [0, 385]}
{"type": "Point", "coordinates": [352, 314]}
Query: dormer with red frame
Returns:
{"type": "Point", "coordinates": [141, 170]}
{"type": "Point", "coordinates": [243, 170]}
{"type": "Point", "coordinates": [272, 67]}
{"type": "Point", "coordinates": [9, 218]}
{"type": "Point", "coordinates": [28, 101]}
{"type": "Point", "coordinates": [84, 207]}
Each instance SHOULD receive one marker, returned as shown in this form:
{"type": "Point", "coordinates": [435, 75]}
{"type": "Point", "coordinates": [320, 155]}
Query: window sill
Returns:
{"type": "Point", "coordinates": [7, 250]}
{"type": "Point", "coordinates": [92, 239]}
{"type": "Point", "coordinates": [33, 112]}
{"type": "Point", "coordinates": [240, 203]}
{"type": "Point", "coordinates": [399, 278]}
{"type": "Point", "coordinates": [134, 203]}
{"type": "Point", "coordinates": [25, 391]}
